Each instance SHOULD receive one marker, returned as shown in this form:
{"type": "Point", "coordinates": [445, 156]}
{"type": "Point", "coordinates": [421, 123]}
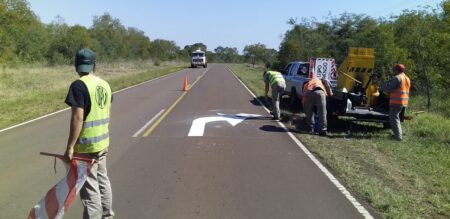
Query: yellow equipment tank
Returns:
{"type": "Point", "coordinates": [354, 73]}
{"type": "Point", "coordinates": [355, 94]}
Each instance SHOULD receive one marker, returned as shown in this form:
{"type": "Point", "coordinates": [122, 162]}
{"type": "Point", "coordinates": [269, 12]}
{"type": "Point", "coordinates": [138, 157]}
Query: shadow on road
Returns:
{"type": "Point", "coordinates": [255, 101]}
{"type": "Point", "coordinates": [271, 128]}
{"type": "Point", "coordinates": [347, 128]}
{"type": "Point", "coordinates": [266, 102]}
{"type": "Point", "coordinates": [337, 128]}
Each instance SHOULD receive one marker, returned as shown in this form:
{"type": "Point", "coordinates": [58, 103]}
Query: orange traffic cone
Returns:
{"type": "Point", "coordinates": [185, 86]}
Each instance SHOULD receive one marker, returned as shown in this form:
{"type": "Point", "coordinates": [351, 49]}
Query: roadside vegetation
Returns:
{"type": "Point", "coordinates": [406, 179]}
{"type": "Point", "coordinates": [56, 43]}
{"type": "Point", "coordinates": [420, 39]}
{"type": "Point", "coordinates": [29, 91]}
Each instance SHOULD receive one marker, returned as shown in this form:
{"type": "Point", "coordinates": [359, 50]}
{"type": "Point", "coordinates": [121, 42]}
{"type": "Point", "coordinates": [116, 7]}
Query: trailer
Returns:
{"type": "Point", "coordinates": [354, 93]}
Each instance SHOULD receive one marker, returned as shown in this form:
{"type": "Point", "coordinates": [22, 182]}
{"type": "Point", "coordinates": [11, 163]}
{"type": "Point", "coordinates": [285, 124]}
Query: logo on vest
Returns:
{"type": "Point", "coordinates": [101, 96]}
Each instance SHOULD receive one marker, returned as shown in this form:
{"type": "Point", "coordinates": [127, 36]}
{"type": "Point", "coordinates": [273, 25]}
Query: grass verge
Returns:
{"type": "Point", "coordinates": [27, 92]}
{"type": "Point", "coordinates": [408, 179]}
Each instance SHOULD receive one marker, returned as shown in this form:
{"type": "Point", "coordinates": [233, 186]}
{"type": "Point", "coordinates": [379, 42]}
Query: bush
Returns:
{"type": "Point", "coordinates": [431, 127]}
{"type": "Point", "coordinates": [440, 103]}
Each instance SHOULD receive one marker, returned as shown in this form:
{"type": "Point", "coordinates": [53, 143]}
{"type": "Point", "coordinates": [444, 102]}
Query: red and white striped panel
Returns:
{"type": "Point", "coordinates": [333, 75]}
{"type": "Point", "coordinates": [58, 198]}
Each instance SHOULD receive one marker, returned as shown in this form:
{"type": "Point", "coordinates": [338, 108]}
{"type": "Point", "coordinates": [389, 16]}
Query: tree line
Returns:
{"type": "Point", "coordinates": [420, 39]}
{"type": "Point", "coordinates": [24, 38]}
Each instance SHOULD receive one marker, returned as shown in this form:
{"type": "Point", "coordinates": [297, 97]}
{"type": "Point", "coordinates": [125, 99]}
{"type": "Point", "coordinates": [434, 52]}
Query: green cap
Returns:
{"type": "Point", "coordinates": [84, 60]}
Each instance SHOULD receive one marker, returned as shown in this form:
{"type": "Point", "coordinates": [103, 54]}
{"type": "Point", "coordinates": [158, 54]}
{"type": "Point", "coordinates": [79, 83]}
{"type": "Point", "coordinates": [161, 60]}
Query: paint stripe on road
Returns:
{"type": "Point", "coordinates": [33, 120]}
{"type": "Point", "coordinates": [363, 211]}
{"type": "Point", "coordinates": [148, 123]}
{"type": "Point", "coordinates": [53, 113]}
{"type": "Point", "coordinates": [150, 130]}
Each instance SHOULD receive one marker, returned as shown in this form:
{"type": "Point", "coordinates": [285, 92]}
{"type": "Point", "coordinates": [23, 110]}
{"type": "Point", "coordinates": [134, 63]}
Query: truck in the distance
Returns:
{"type": "Point", "coordinates": [198, 58]}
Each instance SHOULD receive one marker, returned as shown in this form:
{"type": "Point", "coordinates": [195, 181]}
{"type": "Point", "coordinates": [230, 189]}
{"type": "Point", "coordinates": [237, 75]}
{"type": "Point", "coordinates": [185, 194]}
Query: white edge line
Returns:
{"type": "Point", "coordinates": [324, 170]}
{"type": "Point", "coordinates": [148, 123]}
{"type": "Point", "coordinates": [30, 121]}
{"type": "Point", "coordinates": [62, 110]}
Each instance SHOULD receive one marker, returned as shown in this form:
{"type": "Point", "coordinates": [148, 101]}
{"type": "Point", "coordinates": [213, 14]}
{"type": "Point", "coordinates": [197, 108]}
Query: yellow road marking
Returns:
{"type": "Point", "coordinates": [166, 113]}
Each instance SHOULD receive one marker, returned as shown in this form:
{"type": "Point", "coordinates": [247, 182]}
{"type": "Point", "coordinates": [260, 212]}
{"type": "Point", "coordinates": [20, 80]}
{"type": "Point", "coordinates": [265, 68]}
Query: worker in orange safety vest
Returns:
{"type": "Point", "coordinates": [398, 89]}
{"type": "Point", "coordinates": [315, 92]}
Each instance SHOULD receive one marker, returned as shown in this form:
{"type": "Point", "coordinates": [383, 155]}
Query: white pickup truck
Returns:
{"type": "Point", "coordinates": [297, 73]}
{"type": "Point", "coordinates": [198, 58]}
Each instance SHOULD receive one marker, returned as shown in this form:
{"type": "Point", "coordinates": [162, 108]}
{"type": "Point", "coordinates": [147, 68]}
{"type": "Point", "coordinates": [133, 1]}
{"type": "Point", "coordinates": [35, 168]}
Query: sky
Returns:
{"type": "Point", "coordinates": [227, 23]}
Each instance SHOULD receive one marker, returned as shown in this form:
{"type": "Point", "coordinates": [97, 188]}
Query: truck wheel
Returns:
{"type": "Point", "coordinates": [294, 101]}
{"type": "Point", "coordinates": [332, 115]}
{"type": "Point", "coordinates": [205, 66]}
{"type": "Point", "coordinates": [192, 66]}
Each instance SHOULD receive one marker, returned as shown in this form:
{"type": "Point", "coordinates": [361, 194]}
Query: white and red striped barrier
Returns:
{"type": "Point", "coordinates": [57, 200]}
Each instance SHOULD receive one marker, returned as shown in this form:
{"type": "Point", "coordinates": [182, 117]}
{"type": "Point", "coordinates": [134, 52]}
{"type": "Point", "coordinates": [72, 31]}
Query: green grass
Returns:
{"type": "Point", "coordinates": [408, 179]}
{"type": "Point", "coordinates": [29, 91]}
{"type": "Point", "coordinates": [440, 103]}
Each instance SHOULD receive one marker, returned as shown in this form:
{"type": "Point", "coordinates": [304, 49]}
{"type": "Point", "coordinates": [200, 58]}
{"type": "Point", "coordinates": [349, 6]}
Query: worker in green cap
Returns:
{"type": "Point", "coordinates": [90, 98]}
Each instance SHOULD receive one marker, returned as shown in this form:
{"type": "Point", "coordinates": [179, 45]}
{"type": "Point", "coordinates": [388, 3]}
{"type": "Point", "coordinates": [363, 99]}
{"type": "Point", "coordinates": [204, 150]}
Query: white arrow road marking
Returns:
{"type": "Point", "coordinates": [198, 125]}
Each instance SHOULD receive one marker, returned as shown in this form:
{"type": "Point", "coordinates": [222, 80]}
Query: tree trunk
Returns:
{"type": "Point", "coordinates": [428, 87]}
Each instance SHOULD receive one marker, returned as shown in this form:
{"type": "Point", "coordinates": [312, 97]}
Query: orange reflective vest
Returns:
{"type": "Point", "coordinates": [400, 96]}
{"type": "Point", "coordinates": [312, 85]}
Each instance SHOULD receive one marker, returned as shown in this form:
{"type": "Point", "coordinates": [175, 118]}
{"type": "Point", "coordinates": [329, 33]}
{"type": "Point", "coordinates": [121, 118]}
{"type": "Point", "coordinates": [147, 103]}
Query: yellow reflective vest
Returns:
{"type": "Point", "coordinates": [275, 77]}
{"type": "Point", "coordinates": [94, 136]}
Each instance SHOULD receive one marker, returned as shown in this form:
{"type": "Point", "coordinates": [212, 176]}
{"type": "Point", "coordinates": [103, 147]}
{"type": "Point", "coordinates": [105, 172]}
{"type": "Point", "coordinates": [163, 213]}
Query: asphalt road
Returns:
{"type": "Point", "coordinates": [249, 170]}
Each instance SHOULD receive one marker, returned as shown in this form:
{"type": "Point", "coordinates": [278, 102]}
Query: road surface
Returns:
{"type": "Point", "coordinates": [241, 165]}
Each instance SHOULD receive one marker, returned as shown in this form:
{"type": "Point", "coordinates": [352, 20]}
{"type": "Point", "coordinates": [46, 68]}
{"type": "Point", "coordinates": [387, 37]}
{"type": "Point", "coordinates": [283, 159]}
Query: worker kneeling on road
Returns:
{"type": "Point", "coordinates": [398, 88]}
{"type": "Point", "coordinates": [276, 81]}
{"type": "Point", "coordinates": [314, 94]}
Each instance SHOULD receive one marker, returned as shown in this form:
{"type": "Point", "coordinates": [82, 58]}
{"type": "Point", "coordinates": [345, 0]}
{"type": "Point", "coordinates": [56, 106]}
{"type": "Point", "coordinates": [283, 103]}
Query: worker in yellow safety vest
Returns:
{"type": "Point", "coordinates": [90, 98]}
{"type": "Point", "coordinates": [398, 89]}
{"type": "Point", "coordinates": [314, 94]}
{"type": "Point", "coordinates": [274, 80]}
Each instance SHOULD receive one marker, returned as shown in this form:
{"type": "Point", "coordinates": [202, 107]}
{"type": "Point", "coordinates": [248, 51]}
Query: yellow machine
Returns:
{"type": "Point", "coordinates": [355, 94]}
